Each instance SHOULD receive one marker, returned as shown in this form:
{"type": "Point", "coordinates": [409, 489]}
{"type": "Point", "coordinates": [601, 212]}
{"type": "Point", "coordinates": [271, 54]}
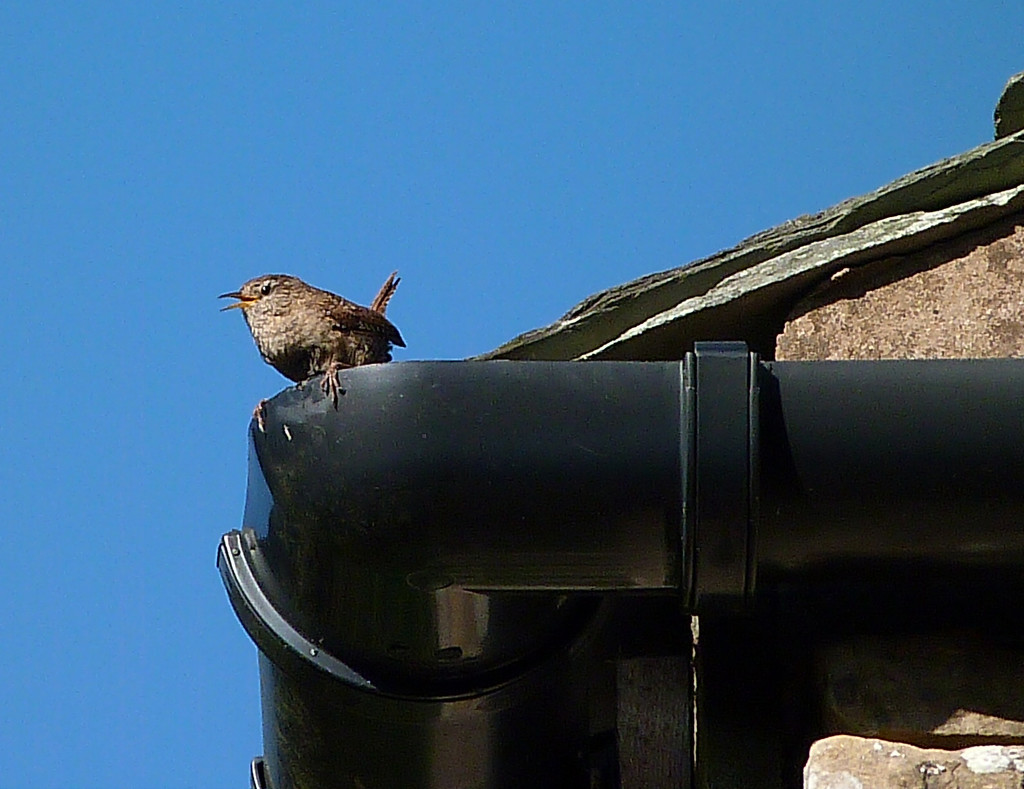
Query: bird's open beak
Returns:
{"type": "Point", "coordinates": [242, 302]}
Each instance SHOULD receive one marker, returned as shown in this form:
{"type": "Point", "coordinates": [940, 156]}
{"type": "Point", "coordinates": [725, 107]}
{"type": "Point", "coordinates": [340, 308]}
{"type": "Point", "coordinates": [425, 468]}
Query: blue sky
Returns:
{"type": "Point", "coordinates": [508, 159]}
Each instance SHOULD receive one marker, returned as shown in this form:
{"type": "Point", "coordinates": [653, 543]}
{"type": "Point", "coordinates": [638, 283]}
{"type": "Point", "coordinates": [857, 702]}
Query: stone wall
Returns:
{"type": "Point", "coordinates": [958, 299]}
{"type": "Point", "coordinates": [961, 691]}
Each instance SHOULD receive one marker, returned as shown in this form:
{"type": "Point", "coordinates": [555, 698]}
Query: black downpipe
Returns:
{"type": "Point", "coordinates": [423, 568]}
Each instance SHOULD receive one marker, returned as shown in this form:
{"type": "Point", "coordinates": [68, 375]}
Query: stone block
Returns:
{"type": "Point", "coordinates": [962, 298]}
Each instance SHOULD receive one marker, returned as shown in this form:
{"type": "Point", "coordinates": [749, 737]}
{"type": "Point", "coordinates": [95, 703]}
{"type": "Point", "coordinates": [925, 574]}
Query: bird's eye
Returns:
{"type": "Point", "coordinates": [266, 287]}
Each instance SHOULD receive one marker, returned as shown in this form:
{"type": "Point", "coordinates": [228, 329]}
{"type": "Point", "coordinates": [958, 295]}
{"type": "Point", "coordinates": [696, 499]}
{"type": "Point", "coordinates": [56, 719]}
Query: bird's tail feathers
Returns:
{"type": "Point", "coordinates": [387, 290]}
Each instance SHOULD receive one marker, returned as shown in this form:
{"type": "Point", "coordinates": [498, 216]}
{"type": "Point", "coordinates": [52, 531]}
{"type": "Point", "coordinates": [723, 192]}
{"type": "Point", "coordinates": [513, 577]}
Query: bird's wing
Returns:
{"type": "Point", "coordinates": [350, 316]}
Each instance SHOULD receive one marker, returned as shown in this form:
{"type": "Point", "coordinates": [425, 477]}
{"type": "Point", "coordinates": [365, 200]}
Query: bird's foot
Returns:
{"type": "Point", "coordinates": [259, 413]}
{"type": "Point", "coordinates": [329, 384]}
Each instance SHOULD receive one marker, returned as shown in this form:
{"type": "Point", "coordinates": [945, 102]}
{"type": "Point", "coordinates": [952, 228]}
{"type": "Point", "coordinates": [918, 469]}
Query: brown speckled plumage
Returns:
{"type": "Point", "coordinates": [302, 331]}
